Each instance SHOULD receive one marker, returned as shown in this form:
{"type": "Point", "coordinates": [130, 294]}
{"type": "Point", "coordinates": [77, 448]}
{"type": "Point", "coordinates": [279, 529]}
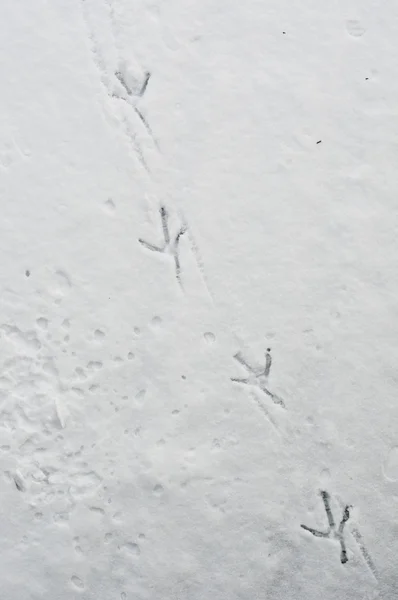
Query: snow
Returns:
{"type": "Point", "coordinates": [198, 300]}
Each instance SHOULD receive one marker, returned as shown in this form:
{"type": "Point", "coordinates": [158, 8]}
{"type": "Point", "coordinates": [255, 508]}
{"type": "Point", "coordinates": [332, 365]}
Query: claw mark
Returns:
{"type": "Point", "coordinates": [170, 246]}
{"type": "Point", "coordinates": [268, 362]}
{"type": "Point", "coordinates": [145, 84]}
{"type": "Point", "coordinates": [332, 532]}
{"type": "Point", "coordinates": [175, 253]}
{"type": "Point", "coordinates": [258, 378]}
{"type": "Point", "coordinates": [122, 80]}
{"type": "Point", "coordinates": [165, 229]}
{"type": "Point", "coordinates": [19, 484]}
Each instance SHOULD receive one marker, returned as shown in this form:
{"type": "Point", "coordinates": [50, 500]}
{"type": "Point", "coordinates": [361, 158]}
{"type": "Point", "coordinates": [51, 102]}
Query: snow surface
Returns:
{"type": "Point", "coordinates": [185, 185]}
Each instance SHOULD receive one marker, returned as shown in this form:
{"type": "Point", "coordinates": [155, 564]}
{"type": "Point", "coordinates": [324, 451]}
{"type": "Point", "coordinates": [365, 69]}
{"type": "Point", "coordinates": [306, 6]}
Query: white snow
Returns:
{"type": "Point", "coordinates": [198, 300]}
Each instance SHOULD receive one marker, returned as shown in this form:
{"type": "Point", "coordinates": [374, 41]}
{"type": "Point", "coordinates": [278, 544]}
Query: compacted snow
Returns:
{"type": "Point", "coordinates": [199, 300]}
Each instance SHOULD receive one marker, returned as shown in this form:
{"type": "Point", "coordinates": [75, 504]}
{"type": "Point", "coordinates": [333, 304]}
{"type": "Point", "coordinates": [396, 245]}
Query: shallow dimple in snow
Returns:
{"type": "Point", "coordinates": [94, 365]}
{"type": "Point", "coordinates": [99, 335]}
{"type": "Point", "coordinates": [209, 337]}
{"type": "Point", "coordinates": [109, 206]}
{"type": "Point", "coordinates": [27, 340]}
{"type": "Point", "coordinates": [77, 582]}
{"type": "Point", "coordinates": [42, 323]}
{"type": "Point", "coordinates": [132, 548]}
{"type": "Point", "coordinates": [84, 483]}
{"type": "Point", "coordinates": [391, 465]}
{"type": "Point", "coordinates": [66, 324]}
{"type": "Point", "coordinates": [80, 373]}
{"type": "Point", "coordinates": [140, 396]}
{"type": "Point", "coordinates": [156, 323]}
{"type": "Point", "coordinates": [61, 283]}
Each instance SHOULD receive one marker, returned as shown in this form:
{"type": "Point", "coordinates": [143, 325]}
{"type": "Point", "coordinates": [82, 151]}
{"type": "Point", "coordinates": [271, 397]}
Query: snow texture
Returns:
{"type": "Point", "coordinates": [199, 323]}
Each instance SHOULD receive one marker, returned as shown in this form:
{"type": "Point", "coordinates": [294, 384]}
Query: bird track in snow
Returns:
{"type": "Point", "coordinates": [108, 82]}
{"type": "Point", "coordinates": [170, 245]}
{"type": "Point", "coordinates": [256, 378]}
{"type": "Point", "coordinates": [333, 532]}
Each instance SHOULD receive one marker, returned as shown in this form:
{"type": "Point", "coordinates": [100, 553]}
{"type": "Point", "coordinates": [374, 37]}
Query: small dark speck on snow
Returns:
{"type": "Point", "coordinates": [319, 141]}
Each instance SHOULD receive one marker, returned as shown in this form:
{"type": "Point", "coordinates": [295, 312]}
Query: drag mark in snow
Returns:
{"type": "Point", "coordinates": [170, 246]}
{"type": "Point", "coordinates": [364, 551]}
{"type": "Point", "coordinates": [258, 378]}
{"type": "Point", "coordinates": [333, 531]}
{"type": "Point", "coordinates": [266, 412]}
{"type": "Point", "coordinates": [199, 262]}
